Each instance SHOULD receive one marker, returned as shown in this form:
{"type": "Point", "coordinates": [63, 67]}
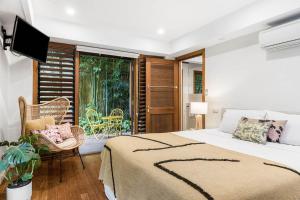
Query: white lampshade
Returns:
{"type": "Point", "coordinates": [199, 108]}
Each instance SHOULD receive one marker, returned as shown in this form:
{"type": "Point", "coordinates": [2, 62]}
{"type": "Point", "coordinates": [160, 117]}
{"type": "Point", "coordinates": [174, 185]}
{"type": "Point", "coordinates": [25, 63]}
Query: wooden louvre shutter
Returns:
{"type": "Point", "coordinates": [56, 77]}
{"type": "Point", "coordinates": [142, 95]}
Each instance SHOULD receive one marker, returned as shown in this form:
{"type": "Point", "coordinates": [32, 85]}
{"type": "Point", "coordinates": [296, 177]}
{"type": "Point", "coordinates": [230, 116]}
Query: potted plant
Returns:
{"type": "Point", "coordinates": [18, 163]}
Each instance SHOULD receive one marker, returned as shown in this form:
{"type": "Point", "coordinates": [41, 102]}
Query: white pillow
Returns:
{"type": "Point", "coordinates": [231, 118]}
{"type": "Point", "coordinates": [291, 132]}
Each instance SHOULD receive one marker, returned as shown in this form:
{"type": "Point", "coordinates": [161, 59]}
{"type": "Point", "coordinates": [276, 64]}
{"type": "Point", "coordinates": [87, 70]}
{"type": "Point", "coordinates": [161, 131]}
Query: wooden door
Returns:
{"type": "Point", "coordinates": [162, 95]}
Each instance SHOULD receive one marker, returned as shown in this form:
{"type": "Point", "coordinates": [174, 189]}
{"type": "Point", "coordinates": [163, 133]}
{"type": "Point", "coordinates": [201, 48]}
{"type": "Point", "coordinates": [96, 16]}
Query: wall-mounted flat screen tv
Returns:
{"type": "Point", "coordinates": [29, 41]}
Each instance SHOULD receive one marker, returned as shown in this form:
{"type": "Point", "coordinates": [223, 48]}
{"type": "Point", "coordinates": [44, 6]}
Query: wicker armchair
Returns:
{"type": "Point", "coordinates": [57, 109]}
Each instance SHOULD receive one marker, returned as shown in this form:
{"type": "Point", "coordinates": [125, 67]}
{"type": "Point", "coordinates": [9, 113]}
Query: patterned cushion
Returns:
{"type": "Point", "coordinates": [52, 134]}
{"type": "Point", "coordinates": [64, 130]}
{"type": "Point", "coordinates": [276, 130]}
{"type": "Point", "coordinates": [253, 130]}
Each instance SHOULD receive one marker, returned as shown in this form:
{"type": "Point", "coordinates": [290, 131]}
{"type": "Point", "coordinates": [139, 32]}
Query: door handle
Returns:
{"type": "Point", "coordinates": [148, 108]}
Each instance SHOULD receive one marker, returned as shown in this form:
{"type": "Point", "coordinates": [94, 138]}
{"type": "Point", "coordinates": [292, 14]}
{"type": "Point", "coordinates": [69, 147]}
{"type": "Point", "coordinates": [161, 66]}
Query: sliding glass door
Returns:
{"type": "Point", "coordinates": [104, 86]}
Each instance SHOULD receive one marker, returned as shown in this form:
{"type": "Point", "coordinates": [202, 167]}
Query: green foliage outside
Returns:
{"type": "Point", "coordinates": [104, 85]}
{"type": "Point", "coordinates": [198, 82]}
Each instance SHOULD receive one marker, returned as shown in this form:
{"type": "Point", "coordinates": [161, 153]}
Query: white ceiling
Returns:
{"type": "Point", "coordinates": [140, 17]}
{"type": "Point", "coordinates": [131, 25]}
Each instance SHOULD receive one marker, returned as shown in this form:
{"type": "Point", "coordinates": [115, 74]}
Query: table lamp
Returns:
{"type": "Point", "coordinates": [199, 109]}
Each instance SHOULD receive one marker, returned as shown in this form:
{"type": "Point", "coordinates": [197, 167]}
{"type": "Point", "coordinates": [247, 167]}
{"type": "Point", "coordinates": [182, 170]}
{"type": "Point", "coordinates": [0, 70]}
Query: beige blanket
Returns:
{"type": "Point", "coordinates": [169, 167]}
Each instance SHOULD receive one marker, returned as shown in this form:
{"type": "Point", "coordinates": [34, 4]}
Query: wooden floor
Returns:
{"type": "Point", "coordinates": [77, 183]}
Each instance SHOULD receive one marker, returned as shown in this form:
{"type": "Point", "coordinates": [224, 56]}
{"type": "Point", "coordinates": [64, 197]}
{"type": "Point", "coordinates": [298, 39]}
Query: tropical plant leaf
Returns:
{"type": "Point", "coordinates": [27, 176]}
{"type": "Point", "coordinates": [19, 154]}
{"type": "Point", "coordinates": [31, 139]}
{"type": "Point", "coordinates": [35, 156]}
{"type": "Point", "coordinates": [10, 176]}
{"type": "Point", "coordinates": [3, 165]}
{"type": "Point", "coordinates": [43, 148]}
{"type": "Point", "coordinates": [37, 164]}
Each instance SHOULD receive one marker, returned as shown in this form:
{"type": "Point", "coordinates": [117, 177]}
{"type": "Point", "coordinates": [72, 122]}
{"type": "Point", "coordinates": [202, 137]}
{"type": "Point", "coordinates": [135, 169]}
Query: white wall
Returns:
{"type": "Point", "coordinates": [15, 80]}
{"type": "Point", "coordinates": [3, 93]}
{"type": "Point", "coordinates": [240, 74]}
{"type": "Point", "coordinates": [20, 84]}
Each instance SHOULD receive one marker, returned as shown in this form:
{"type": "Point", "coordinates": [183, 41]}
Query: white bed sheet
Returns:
{"type": "Point", "coordinates": [281, 153]}
{"type": "Point", "coordinates": [285, 154]}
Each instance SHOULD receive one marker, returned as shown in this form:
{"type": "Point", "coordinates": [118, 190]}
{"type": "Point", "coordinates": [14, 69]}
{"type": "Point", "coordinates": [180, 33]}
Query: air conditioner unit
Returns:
{"type": "Point", "coordinates": [281, 37]}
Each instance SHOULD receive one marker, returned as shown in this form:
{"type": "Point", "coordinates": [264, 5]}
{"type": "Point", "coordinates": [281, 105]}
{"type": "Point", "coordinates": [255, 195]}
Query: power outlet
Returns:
{"type": "Point", "coordinates": [215, 111]}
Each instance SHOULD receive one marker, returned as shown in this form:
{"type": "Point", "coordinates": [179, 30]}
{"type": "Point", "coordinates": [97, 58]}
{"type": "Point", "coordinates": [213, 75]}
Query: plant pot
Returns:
{"type": "Point", "coordinates": [20, 192]}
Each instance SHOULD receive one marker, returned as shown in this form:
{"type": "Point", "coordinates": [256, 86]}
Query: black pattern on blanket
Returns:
{"type": "Point", "coordinates": [188, 162]}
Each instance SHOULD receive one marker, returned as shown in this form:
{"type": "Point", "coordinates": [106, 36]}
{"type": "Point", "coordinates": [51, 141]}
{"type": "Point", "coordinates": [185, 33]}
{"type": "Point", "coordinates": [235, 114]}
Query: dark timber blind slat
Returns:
{"type": "Point", "coordinates": [56, 77]}
{"type": "Point", "coordinates": [142, 95]}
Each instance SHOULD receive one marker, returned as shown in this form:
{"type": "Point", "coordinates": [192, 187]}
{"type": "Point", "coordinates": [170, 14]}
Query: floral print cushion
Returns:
{"type": "Point", "coordinates": [52, 134]}
{"type": "Point", "coordinates": [276, 130]}
{"type": "Point", "coordinates": [253, 130]}
{"type": "Point", "coordinates": [64, 130]}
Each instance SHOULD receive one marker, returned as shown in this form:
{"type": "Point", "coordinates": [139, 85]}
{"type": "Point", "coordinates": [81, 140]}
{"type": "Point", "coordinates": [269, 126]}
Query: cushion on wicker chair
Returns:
{"type": "Point", "coordinates": [38, 124]}
{"type": "Point", "coordinates": [68, 143]}
{"type": "Point", "coordinates": [52, 134]}
{"type": "Point", "coordinates": [63, 129]}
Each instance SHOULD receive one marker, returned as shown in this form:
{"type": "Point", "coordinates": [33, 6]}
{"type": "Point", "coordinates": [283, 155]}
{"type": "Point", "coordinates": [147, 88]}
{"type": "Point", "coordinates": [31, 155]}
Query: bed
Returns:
{"type": "Point", "coordinates": [277, 174]}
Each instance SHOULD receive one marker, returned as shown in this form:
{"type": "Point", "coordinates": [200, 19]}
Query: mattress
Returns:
{"type": "Point", "coordinates": [285, 154]}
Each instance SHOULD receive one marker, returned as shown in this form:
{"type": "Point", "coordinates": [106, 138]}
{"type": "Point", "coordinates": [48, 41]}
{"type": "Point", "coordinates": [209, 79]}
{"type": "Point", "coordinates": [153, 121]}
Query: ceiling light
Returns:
{"type": "Point", "coordinates": [160, 31]}
{"type": "Point", "coordinates": [70, 11]}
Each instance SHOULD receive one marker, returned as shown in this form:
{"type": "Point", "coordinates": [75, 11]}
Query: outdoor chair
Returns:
{"type": "Point", "coordinates": [117, 116]}
{"type": "Point", "coordinates": [105, 127]}
{"type": "Point", "coordinates": [96, 124]}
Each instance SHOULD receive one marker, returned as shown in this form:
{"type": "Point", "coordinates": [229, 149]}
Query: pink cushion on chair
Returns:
{"type": "Point", "coordinates": [64, 130]}
{"type": "Point", "coordinates": [52, 134]}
